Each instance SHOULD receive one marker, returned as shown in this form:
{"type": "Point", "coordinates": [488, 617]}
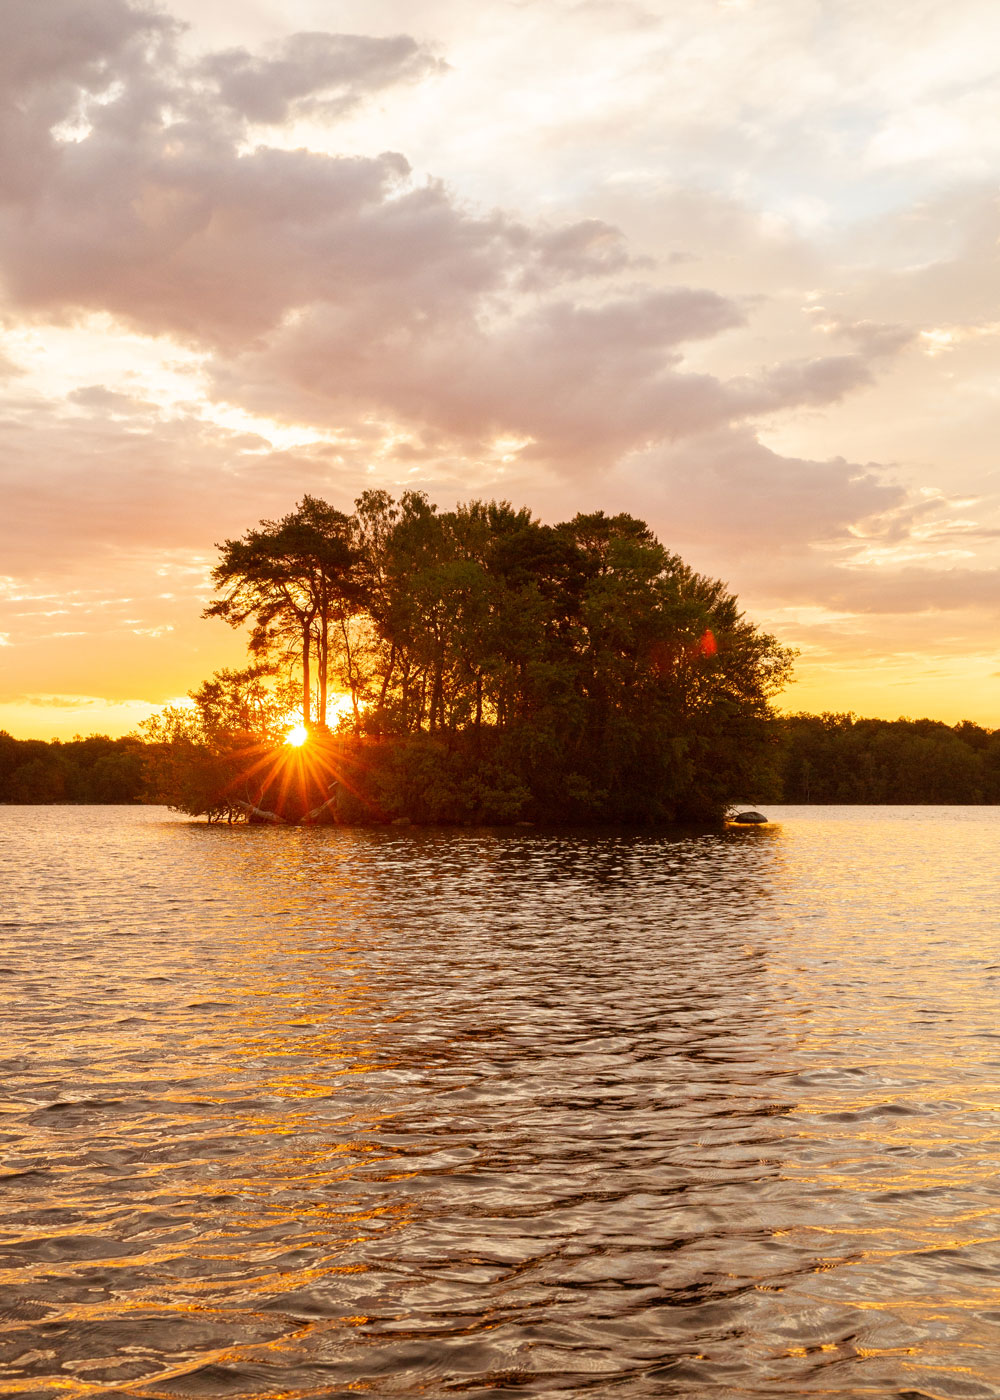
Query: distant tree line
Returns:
{"type": "Point", "coordinates": [830, 758]}
{"type": "Point", "coordinates": [838, 758]}
{"type": "Point", "coordinates": [96, 769]}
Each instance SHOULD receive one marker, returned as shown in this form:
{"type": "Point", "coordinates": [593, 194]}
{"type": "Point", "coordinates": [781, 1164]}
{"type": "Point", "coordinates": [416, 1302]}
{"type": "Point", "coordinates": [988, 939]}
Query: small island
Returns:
{"type": "Point", "coordinates": [469, 666]}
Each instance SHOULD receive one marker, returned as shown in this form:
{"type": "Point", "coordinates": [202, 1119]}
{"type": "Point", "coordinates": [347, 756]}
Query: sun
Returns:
{"type": "Point", "coordinates": [297, 736]}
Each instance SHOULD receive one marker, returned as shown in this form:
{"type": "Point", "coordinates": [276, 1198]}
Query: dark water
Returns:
{"type": "Point", "coordinates": [327, 1113]}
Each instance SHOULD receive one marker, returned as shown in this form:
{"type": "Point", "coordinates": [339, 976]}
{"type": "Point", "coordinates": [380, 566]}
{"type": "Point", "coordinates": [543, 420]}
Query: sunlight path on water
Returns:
{"type": "Point", "coordinates": [321, 1112]}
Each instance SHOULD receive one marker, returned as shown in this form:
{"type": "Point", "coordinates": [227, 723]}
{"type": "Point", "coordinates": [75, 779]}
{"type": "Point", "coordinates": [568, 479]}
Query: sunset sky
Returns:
{"type": "Point", "coordinates": [730, 265]}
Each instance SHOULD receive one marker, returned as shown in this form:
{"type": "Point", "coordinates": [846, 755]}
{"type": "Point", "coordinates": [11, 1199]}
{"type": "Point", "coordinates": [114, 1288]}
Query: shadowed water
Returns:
{"type": "Point", "coordinates": [329, 1112]}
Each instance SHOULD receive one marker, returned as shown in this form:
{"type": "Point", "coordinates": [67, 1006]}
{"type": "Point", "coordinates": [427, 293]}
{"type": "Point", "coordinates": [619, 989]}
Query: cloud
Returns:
{"type": "Point", "coordinates": [874, 338]}
{"type": "Point", "coordinates": [323, 285]}
{"type": "Point", "coordinates": [338, 292]}
{"type": "Point", "coordinates": [98, 398]}
{"type": "Point", "coordinates": [157, 212]}
{"type": "Point", "coordinates": [822, 380]}
{"type": "Point", "coordinates": [57, 61]}
{"type": "Point", "coordinates": [62, 44]}
{"type": "Point", "coordinates": [899, 590]}
{"type": "Point", "coordinates": [727, 492]}
{"type": "Point", "coordinates": [579, 381]}
{"type": "Point", "coordinates": [578, 384]}
{"type": "Point", "coordinates": [113, 478]}
{"type": "Point", "coordinates": [588, 248]}
{"type": "Point", "coordinates": [316, 74]}
{"type": "Point", "coordinates": [60, 702]}
{"type": "Point", "coordinates": [126, 185]}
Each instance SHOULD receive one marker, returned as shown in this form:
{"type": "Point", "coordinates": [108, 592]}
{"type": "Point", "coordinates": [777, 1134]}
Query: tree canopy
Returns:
{"type": "Point", "coordinates": [295, 578]}
{"type": "Point", "coordinates": [488, 666]}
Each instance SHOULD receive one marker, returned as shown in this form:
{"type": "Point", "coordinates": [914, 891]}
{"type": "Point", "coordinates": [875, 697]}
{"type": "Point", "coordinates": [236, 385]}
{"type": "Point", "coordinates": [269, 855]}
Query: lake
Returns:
{"type": "Point", "coordinates": [517, 1112]}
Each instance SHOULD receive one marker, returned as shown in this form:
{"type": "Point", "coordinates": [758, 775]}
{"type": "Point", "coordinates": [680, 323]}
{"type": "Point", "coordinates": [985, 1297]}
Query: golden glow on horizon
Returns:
{"type": "Point", "coordinates": [148, 416]}
{"type": "Point", "coordinates": [297, 736]}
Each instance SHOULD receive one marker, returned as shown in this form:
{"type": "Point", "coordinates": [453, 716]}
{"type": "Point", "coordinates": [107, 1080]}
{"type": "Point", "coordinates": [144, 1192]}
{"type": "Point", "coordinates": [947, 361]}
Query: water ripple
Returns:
{"type": "Point", "coordinates": [320, 1113]}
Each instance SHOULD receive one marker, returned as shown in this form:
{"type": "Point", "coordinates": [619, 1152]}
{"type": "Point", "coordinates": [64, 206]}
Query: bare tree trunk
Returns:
{"type": "Point", "coordinates": [437, 703]}
{"type": "Point", "coordinates": [390, 667]}
{"type": "Point", "coordinates": [420, 702]}
{"type": "Point", "coordinates": [479, 712]}
{"type": "Point", "coordinates": [322, 651]}
{"type": "Point", "coordinates": [306, 679]}
{"type": "Point", "coordinates": [353, 678]}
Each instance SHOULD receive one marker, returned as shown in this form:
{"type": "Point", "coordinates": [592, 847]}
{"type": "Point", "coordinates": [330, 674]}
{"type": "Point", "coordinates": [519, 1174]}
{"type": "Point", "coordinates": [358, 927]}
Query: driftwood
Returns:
{"type": "Point", "coordinates": [259, 815]}
{"type": "Point", "coordinates": [324, 814]}
{"type": "Point", "coordinates": [328, 813]}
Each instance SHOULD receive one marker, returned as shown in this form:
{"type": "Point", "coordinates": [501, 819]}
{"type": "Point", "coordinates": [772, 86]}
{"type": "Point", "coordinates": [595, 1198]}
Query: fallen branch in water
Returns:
{"type": "Point", "coordinates": [258, 814]}
{"type": "Point", "coordinates": [324, 813]}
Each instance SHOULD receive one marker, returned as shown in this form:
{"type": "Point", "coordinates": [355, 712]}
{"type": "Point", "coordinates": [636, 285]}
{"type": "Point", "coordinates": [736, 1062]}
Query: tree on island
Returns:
{"type": "Point", "coordinates": [496, 669]}
{"type": "Point", "coordinates": [216, 756]}
{"type": "Point", "coordinates": [295, 578]}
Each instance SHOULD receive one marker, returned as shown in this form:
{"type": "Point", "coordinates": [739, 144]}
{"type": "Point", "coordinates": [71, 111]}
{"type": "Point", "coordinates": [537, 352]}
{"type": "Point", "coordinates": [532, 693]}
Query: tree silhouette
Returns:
{"type": "Point", "coordinates": [295, 578]}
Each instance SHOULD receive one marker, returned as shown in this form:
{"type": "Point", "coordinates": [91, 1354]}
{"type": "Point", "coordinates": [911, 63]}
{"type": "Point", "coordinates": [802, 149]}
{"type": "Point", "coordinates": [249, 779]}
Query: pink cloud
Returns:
{"type": "Point", "coordinates": [315, 74]}
{"type": "Point", "coordinates": [326, 284]}
{"type": "Point", "coordinates": [336, 290]}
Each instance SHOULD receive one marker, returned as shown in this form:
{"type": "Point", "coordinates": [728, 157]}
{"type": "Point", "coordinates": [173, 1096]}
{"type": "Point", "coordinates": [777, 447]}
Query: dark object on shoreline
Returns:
{"type": "Point", "coordinates": [748, 819]}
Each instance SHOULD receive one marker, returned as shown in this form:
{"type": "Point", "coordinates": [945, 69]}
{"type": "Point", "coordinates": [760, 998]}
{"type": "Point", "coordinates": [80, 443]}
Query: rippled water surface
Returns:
{"type": "Point", "coordinates": [328, 1112]}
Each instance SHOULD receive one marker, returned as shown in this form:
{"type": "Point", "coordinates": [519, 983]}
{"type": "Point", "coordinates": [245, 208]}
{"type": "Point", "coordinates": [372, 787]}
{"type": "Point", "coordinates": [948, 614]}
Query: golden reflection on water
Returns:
{"type": "Point", "coordinates": [313, 1112]}
{"type": "Point", "coordinates": [892, 947]}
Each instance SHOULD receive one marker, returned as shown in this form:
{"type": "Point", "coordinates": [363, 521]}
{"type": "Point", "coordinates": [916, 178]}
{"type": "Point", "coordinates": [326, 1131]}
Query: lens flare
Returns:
{"type": "Point", "coordinates": [297, 736]}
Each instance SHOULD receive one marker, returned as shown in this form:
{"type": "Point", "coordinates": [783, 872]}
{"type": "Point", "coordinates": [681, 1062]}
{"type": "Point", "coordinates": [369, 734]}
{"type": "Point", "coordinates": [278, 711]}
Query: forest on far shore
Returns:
{"type": "Point", "coordinates": [830, 758]}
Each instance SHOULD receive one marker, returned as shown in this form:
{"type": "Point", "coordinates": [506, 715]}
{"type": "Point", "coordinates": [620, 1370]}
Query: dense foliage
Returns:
{"type": "Point", "coordinates": [97, 769]}
{"type": "Point", "coordinates": [841, 759]}
{"type": "Point", "coordinates": [213, 757]}
{"type": "Point", "coordinates": [492, 668]}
